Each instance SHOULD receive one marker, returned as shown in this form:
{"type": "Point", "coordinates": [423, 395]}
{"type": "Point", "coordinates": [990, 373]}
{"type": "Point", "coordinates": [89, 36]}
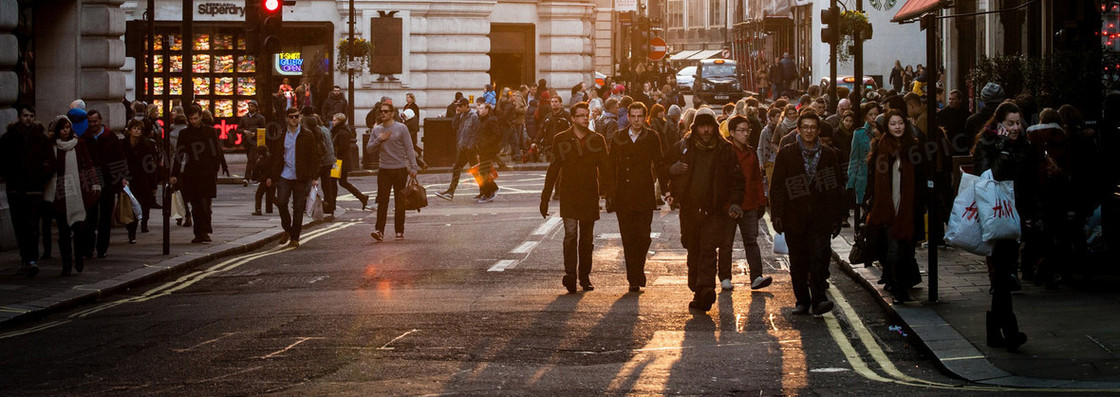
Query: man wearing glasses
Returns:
{"type": "Point", "coordinates": [754, 203]}
{"type": "Point", "coordinates": [397, 163]}
{"type": "Point", "coordinates": [294, 171]}
{"type": "Point", "coordinates": [581, 156]}
{"type": "Point", "coordinates": [24, 163]}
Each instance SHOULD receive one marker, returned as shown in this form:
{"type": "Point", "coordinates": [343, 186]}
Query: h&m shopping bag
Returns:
{"type": "Point", "coordinates": [965, 231]}
{"type": "Point", "coordinates": [999, 220]}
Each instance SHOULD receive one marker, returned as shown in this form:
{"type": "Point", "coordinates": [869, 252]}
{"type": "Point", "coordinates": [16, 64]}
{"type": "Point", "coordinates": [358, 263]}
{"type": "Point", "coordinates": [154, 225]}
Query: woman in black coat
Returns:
{"type": "Point", "coordinates": [72, 190]}
{"type": "Point", "coordinates": [197, 161]}
{"type": "Point", "coordinates": [344, 139]}
{"type": "Point", "coordinates": [1003, 148]}
{"type": "Point", "coordinates": [143, 161]}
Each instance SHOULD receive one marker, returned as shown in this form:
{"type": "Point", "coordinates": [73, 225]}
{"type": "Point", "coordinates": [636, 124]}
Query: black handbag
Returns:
{"type": "Point", "coordinates": [862, 251]}
{"type": "Point", "coordinates": [413, 196]}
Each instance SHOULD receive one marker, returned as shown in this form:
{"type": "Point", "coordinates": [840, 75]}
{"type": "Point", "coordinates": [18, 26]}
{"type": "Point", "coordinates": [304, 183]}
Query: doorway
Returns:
{"type": "Point", "coordinates": [512, 55]}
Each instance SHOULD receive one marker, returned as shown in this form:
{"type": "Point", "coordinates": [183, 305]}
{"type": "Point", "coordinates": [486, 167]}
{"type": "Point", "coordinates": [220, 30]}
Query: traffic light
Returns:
{"type": "Point", "coordinates": [271, 24]}
{"type": "Point", "coordinates": [830, 25]}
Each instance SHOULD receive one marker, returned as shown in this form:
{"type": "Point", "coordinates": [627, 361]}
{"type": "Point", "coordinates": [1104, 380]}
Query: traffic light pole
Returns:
{"type": "Point", "coordinates": [350, 77]}
{"type": "Point", "coordinates": [929, 22]}
{"type": "Point", "coordinates": [832, 47]}
{"type": "Point", "coordinates": [857, 53]}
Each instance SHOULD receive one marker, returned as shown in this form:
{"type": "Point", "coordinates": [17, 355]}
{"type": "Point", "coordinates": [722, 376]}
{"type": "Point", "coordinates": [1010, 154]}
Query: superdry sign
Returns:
{"type": "Point", "coordinates": [221, 11]}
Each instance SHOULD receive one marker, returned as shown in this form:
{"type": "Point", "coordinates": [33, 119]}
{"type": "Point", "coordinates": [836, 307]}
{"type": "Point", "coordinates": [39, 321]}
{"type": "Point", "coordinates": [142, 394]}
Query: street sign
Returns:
{"type": "Point", "coordinates": [625, 5]}
{"type": "Point", "coordinates": [725, 54]}
{"type": "Point", "coordinates": [657, 48]}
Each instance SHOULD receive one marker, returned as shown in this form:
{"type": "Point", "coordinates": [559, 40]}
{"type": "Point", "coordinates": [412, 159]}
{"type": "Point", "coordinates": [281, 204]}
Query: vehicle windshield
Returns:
{"type": "Point", "coordinates": [719, 70]}
{"type": "Point", "coordinates": [688, 71]}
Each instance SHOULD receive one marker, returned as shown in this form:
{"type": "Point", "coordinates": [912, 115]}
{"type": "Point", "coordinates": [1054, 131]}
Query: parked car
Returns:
{"type": "Point", "coordinates": [869, 83]}
{"type": "Point", "coordinates": [685, 77]}
{"type": "Point", "coordinates": [718, 81]}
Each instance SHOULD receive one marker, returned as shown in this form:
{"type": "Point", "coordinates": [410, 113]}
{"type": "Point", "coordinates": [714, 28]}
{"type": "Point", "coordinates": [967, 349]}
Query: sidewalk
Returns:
{"type": "Point", "coordinates": [1073, 339]}
{"type": "Point", "coordinates": [235, 231]}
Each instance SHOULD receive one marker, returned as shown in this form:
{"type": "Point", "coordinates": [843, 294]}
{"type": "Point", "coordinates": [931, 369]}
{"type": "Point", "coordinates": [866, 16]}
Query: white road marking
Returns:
{"type": "Point", "coordinates": [224, 335]}
{"type": "Point", "coordinates": [547, 227]}
{"type": "Point", "coordinates": [281, 351]}
{"type": "Point", "coordinates": [386, 346]}
{"type": "Point", "coordinates": [317, 279]}
{"type": "Point", "coordinates": [615, 236]}
{"type": "Point", "coordinates": [525, 247]}
{"type": "Point", "coordinates": [502, 265]}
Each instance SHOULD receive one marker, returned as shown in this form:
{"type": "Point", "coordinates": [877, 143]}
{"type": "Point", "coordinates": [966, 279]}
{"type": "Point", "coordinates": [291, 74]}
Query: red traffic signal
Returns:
{"type": "Point", "coordinates": [270, 5]}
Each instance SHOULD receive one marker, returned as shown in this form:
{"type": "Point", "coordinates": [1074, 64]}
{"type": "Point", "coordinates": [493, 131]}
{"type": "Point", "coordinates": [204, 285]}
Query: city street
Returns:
{"type": "Point", "coordinates": [469, 303]}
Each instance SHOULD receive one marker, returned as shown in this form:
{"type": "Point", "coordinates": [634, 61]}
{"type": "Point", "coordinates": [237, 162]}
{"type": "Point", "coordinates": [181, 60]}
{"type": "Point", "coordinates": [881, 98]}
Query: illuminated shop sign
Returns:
{"type": "Point", "coordinates": [220, 11]}
{"type": "Point", "coordinates": [289, 63]}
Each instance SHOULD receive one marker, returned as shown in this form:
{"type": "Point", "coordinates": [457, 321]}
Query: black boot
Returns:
{"type": "Point", "coordinates": [1011, 333]}
{"type": "Point", "coordinates": [66, 265]}
{"type": "Point", "coordinates": [995, 337]}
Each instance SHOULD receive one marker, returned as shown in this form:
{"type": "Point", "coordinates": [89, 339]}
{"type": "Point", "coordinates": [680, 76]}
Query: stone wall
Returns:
{"type": "Point", "coordinates": [101, 80]}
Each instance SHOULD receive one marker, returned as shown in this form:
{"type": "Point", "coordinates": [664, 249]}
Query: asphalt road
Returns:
{"type": "Point", "coordinates": [469, 303]}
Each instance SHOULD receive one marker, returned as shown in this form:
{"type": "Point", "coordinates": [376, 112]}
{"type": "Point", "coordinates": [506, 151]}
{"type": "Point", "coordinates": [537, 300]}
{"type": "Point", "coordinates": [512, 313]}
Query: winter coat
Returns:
{"type": "Point", "coordinates": [728, 184]}
{"type": "Point", "coordinates": [87, 178]}
{"type": "Point", "coordinates": [143, 166]}
{"type": "Point", "coordinates": [107, 153]}
{"type": "Point", "coordinates": [309, 155]}
{"type": "Point", "coordinates": [583, 170]}
{"type": "Point", "coordinates": [262, 165]}
{"type": "Point", "coordinates": [333, 105]}
{"type": "Point", "coordinates": [345, 145]}
{"type": "Point", "coordinates": [554, 123]}
{"type": "Point", "coordinates": [802, 205]}
{"type": "Point", "coordinates": [197, 160]}
{"type": "Point", "coordinates": [1010, 161]}
{"type": "Point", "coordinates": [857, 161]}
{"type": "Point", "coordinates": [25, 158]}
{"type": "Point", "coordinates": [607, 125]}
{"type": "Point", "coordinates": [635, 165]}
{"type": "Point", "coordinates": [489, 136]}
{"type": "Point", "coordinates": [754, 195]}
{"type": "Point", "coordinates": [248, 127]}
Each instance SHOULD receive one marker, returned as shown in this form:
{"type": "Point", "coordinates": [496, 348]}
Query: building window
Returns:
{"type": "Point", "coordinates": [716, 13]}
{"type": "Point", "coordinates": [696, 14]}
{"type": "Point", "coordinates": [675, 14]}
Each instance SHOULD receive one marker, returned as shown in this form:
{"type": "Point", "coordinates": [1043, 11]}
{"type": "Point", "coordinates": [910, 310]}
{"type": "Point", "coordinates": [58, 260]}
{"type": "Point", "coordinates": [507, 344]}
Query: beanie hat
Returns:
{"type": "Point", "coordinates": [992, 92]}
{"type": "Point", "coordinates": [704, 115]}
{"type": "Point", "coordinates": [674, 110]}
{"type": "Point", "coordinates": [78, 118]}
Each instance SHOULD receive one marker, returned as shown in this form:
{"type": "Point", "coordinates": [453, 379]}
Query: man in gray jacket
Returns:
{"type": "Point", "coordinates": [466, 127]}
{"type": "Point", "coordinates": [398, 162]}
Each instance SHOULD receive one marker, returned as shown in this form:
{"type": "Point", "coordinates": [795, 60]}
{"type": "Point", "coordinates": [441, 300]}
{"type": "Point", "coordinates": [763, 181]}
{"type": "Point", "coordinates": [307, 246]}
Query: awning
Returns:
{"type": "Point", "coordinates": [916, 8]}
{"type": "Point", "coordinates": [705, 54]}
{"type": "Point", "coordinates": [680, 56]}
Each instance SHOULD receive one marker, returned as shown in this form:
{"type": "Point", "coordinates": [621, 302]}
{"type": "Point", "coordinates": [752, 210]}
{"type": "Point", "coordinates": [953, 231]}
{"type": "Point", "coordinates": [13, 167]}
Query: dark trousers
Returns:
{"type": "Point", "coordinates": [145, 211]}
{"type": "Point", "coordinates": [900, 267]}
{"type": "Point", "coordinates": [394, 180]}
{"type": "Point", "coordinates": [747, 225]}
{"type": "Point", "coordinates": [250, 150]}
{"type": "Point", "coordinates": [295, 190]}
{"type": "Point", "coordinates": [99, 222]}
{"type": "Point", "coordinates": [72, 239]}
{"type": "Point", "coordinates": [268, 193]}
{"type": "Point", "coordinates": [512, 139]}
{"type": "Point", "coordinates": [201, 213]}
{"type": "Point", "coordinates": [1001, 264]}
{"type": "Point", "coordinates": [351, 188]}
{"type": "Point", "coordinates": [809, 256]}
{"type": "Point", "coordinates": [705, 233]}
{"type": "Point", "coordinates": [462, 158]}
{"type": "Point", "coordinates": [46, 217]}
{"type": "Point", "coordinates": [578, 246]}
{"type": "Point", "coordinates": [635, 229]}
{"type": "Point", "coordinates": [330, 192]}
{"type": "Point", "coordinates": [25, 221]}
{"type": "Point", "coordinates": [488, 186]}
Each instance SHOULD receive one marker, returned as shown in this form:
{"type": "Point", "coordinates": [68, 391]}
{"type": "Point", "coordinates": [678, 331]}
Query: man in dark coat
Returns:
{"type": "Point", "coordinates": [296, 164]}
{"type": "Point", "coordinates": [806, 198]}
{"type": "Point", "coordinates": [991, 96]}
{"type": "Point", "coordinates": [581, 156]}
{"type": "Point", "coordinates": [334, 104]}
{"type": "Point", "coordinates": [709, 186]}
{"type": "Point", "coordinates": [197, 161]}
{"type": "Point", "coordinates": [25, 161]}
{"type": "Point", "coordinates": [637, 160]}
{"type": "Point", "coordinates": [107, 153]}
{"type": "Point", "coordinates": [248, 126]}
{"type": "Point", "coordinates": [953, 118]}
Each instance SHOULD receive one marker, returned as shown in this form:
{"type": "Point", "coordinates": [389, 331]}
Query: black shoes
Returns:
{"type": "Point", "coordinates": [635, 288]}
{"type": "Point", "coordinates": [257, 213]}
{"type": "Point", "coordinates": [365, 201]}
{"type": "Point", "coordinates": [569, 283]}
{"type": "Point", "coordinates": [703, 300]}
{"type": "Point", "coordinates": [377, 235]}
{"type": "Point", "coordinates": [822, 307]}
{"type": "Point", "coordinates": [79, 264]}
{"type": "Point", "coordinates": [587, 286]}
{"type": "Point", "coordinates": [801, 309]}
{"type": "Point", "coordinates": [32, 269]}
{"type": "Point", "coordinates": [284, 237]}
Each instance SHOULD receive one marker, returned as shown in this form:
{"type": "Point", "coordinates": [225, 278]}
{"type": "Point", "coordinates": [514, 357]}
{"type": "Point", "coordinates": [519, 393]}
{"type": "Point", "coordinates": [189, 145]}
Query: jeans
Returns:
{"type": "Point", "coordinates": [351, 188]}
{"type": "Point", "coordinates": [809, 257]}
{"type": "Point", "coordinates": [25, 222]}
{"type": "Point", "coordinates": [578, 245]}
{"type": "Point", "coordinates": [488, 185]}
{"type": "Point", "coordinates": [99, 222]}
{"type": "Point", "coordinates": [462, 158]}
{"type": "Point", "coordinates": [330, 192]}
{"type": "Point", "coordinates": [268, 193]}
{"type": "Point", "coordinates": [394, 180]}
{"type": "Point", "coordinates": [201, 214]}
{"type": "Point", "coordinates": [295, 190]}
{"type": "Point", "coordinates": [748, 226]}
{"type": "Point", "coordinates": [512, 138]}
{"type": "Point", "coordinates": [635, 229]}
{"type": "Point", "coordinates": [706, 233]}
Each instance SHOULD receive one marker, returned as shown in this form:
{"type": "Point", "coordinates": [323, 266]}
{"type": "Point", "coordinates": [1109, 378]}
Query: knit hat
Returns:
{"type": "Point", "coordinates": [674, 110]}
{"type": "Point", "coordinates": [992, 92]}
{"type": "Point", "coordinates": [704, 115]}
{"type": "Point", "coordinates": [78, 118]}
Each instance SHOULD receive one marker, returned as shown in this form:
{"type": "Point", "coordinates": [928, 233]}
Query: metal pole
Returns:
{"type": "Point", "coordinates": [934, 222]}
{"type": "Point", "coordinates": [350, 75]}
{"type": "Point", "coordinates": [832, 61]}
{"type": "Point", "coordinates": [858, 55]}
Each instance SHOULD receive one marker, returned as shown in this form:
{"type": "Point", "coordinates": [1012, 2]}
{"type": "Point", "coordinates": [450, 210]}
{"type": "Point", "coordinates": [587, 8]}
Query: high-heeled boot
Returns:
{"type": "Point", "coordinates": [1011, 333]}
{"type": "Point", "coordinates": [995, 336]}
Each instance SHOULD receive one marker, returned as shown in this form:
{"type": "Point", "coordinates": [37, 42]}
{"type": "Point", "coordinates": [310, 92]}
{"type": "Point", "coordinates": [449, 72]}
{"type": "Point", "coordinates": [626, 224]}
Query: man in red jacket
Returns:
{"type": "Point", "coordinates": [753, 205]}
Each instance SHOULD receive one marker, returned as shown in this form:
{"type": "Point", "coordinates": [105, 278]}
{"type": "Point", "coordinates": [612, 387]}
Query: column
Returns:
{"type": "Point", "coordinates": [101, 52]}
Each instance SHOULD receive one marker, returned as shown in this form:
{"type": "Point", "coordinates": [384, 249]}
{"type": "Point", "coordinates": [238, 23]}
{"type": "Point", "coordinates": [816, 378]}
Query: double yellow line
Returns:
{"type": "Point", "coordinates": [182, 282]}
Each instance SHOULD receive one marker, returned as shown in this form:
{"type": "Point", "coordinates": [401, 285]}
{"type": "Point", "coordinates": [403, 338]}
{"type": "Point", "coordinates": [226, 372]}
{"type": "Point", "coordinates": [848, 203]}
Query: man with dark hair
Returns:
{"type": "Point", "coordinates": [753, 205]}
{"type": "Point", "coordinates": [466, 128]}
{"type": "Point", "coordinates": [107, 153]}
{"type": "Point", "coordinates": [454, 105]}
{"type": "Point", "coordinates": [198, 152]}
{"type": "Point", "coordinates": [708, 185]}
{"type": "Point", "coordinates": [297, 160]}
{"type": "Point", "coordinates": [398, 162]}
{"type": "Point", "coordinates": [953, 118]}
{"type": "Point", "coordinates": [637, 159]}
{"type": "Point", "coordinates": [581, 156]}
{"type": "Point", "coordinates": [248, 126]}
{"type": "Point", "coordinates": [335, 103]}
{"type": "Point", "coordinates": [806, 203]}
{"type": "Point", "coordinates": [25, 164]}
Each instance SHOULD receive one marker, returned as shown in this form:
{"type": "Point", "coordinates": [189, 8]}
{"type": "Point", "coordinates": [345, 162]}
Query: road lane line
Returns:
{"type": "Point", "coordinates": [37, 328]}
{"type": "Point", "coordinates": [386, 346]}
{"type": "Point", "coordinates": [547, 226]}
{"type": "Point", "coordinates": [281, 351]}
{"type": "Point", "coordinates": [224, 335]}
{"type": "Point", "coordinates": [525, 247]}
{"type": "Point", "coordinates": [502, 265]}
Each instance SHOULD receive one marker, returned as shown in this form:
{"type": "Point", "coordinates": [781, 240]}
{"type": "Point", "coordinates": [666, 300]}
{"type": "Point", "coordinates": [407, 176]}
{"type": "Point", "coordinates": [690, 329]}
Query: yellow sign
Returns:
{"type": "Point", "coordinates": [336, 170]}
{"type": "Point", "coordinates": [260, 136]}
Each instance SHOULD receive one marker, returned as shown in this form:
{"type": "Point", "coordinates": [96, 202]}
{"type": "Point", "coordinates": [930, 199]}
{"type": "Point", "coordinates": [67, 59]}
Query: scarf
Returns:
{"type": "Point", "coordinates": [811, 156]}
{"type": "Point", "coordinates": [70, 186]}
{"type": "Point", "coordinates": [883, 212]}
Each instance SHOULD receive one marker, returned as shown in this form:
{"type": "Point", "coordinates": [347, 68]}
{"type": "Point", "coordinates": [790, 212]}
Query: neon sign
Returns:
{"type": "Point", "coordinates": [289, 63]}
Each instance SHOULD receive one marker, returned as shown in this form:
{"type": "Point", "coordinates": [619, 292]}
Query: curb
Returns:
{"type": "Point", "coordinates": [237, 180]}
{"type": "Point", "coordinates": [955, 354]}
{"type": "Point", "coordinates": [170, 266]}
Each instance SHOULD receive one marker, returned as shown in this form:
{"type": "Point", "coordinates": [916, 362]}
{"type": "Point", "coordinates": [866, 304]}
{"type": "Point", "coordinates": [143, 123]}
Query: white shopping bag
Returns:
{"type": "Point", "coordinates": [780, 246]}
{"type": "Point", "coordinates": [137, 212]}
{"type": "Point", "coordinates": [964, 230]}
{"type": "Point", "coordinates": [178, 206]}
{"type": "Point", "coordinates": [999, 220]}
{"type": "Point", "coordinates": [314, 206]}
